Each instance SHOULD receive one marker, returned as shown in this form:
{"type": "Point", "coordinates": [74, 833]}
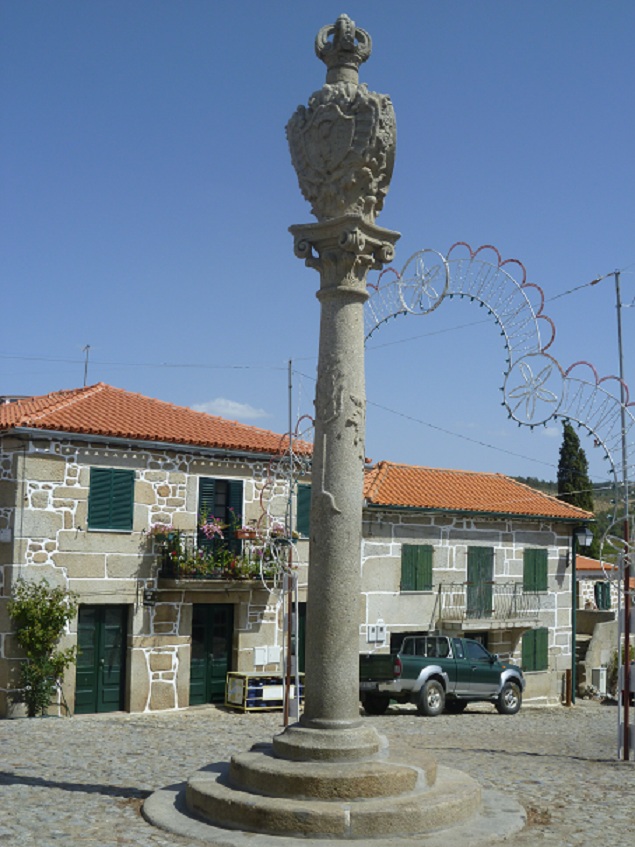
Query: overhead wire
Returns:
{"type": "Point", "coordinates": [276, 367]}
{"type": "Point", "coordinates": [454, 434]}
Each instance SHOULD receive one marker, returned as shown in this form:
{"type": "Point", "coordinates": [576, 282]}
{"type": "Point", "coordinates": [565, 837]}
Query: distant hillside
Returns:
{"type": "Point", "coordinates": [538, 484]}
{"type": "Point", "coordinates": [602, 491]}
{"type": "Point", "coordinates": [603, 504]}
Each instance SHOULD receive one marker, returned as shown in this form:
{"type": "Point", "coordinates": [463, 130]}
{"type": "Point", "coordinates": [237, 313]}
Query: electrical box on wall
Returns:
{"type": "Point", "coordinates": [376, 632]}
{"type": "Point", "coordinates": [267, 655]}
{"type": "Point", "coordinates": [260, 656]}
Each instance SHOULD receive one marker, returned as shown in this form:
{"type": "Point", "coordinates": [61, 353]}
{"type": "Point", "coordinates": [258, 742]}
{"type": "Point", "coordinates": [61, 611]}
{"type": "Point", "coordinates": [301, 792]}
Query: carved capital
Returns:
{"type": "Point", "coordinates": [344, 250]}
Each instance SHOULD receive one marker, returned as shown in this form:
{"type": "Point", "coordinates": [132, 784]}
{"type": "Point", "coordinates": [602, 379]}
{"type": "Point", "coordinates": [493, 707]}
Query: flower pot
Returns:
{"type": "Point", "coordinates": [246, 534]}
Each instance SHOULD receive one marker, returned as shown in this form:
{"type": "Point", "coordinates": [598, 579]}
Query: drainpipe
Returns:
{"type": "Point", "coordinates": [574, 605]}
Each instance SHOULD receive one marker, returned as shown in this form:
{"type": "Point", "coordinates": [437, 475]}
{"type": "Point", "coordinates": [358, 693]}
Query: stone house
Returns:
{"type": "Point", "coordinates": [476, 554]}
{"type": "Point", "coordinates": [597, 584]}
{"type": "Point", "coordinates": [98, 488]}
{"type": "Point", "coordinates": [104, 492]}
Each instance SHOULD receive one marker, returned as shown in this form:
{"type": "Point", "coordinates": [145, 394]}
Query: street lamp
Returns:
{"type": "Point", "coordinates": [581, 536]}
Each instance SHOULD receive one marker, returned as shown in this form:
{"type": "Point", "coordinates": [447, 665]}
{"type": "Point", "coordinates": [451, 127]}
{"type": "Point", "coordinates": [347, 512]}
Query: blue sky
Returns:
{"type": "Point", "coordinates": [147, 193]}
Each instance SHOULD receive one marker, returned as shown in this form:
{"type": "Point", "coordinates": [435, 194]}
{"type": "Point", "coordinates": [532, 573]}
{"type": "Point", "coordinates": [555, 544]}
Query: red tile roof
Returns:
{"type": "Point", "coordinates": [102, 410]}
{"type": "Point", "coordinates": [586, 563]}
{"type": "Point", "coordinates": [587, 568]}
{"type": "Point", "coordinates": [406, 486]}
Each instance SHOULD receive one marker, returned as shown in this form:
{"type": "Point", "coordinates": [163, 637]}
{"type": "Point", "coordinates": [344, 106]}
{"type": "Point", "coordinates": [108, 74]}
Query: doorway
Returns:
{"type": "Point", "coordinates": [101, 659]}
{"type": "Point", "coordinates": [212, 633]}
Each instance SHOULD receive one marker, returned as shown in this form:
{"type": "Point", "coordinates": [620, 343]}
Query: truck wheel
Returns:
{"type": "Point", "coordinates": [431, 699]}
{"type": "Point", "coordinates": [509, 700]}
{"type": "Point", "coordinates": [375, 703]}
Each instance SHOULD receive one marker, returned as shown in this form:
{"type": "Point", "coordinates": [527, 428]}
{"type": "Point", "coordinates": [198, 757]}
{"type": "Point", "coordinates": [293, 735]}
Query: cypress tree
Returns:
{"type": "Point", "coordinates": [574, 485]}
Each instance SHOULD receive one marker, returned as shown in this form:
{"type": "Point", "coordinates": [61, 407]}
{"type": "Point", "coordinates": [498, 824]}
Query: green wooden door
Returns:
{"type": "Point", "coordinates": [212, 631]}
{"type": "Point", "coordinates": [480, 576]}
{"type": "Point", "coordinates": [101, 661]}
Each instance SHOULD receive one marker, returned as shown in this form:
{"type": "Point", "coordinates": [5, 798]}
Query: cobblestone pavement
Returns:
{"type": "Point", "coordinates": [81, 781]}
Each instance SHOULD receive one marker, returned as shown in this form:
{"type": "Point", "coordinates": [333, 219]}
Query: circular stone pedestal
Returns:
{"type": "Point", "coordinates": [261, 800]}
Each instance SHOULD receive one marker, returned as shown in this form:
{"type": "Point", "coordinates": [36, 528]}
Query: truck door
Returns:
{"type": "Point", "coordinates": [484, 674]}
{"type": "Point", "coordinates": [410, 654]}
{"type": "Point", "coordinates": [439, 653]}
{"type": "Point", "coordinates": [463, 669]}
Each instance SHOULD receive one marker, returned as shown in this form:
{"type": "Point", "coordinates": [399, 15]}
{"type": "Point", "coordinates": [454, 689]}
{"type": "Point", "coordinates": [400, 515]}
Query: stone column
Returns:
{"type": "Point", "coordinates": [342, 147]}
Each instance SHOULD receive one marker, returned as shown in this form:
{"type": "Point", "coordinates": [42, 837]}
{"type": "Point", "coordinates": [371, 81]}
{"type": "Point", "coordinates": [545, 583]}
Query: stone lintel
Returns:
{"type": "Point", "coordinates": [139, 642]}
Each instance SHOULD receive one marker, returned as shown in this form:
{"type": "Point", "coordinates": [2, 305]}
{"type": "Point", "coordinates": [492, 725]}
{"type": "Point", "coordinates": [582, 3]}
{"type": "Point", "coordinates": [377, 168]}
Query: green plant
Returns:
{"type": "Point", "coordinates": [40, 614]}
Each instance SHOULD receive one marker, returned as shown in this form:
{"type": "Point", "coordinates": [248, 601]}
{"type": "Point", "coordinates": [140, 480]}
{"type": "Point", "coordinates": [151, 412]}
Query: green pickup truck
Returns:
{"type": "Point", "coordinates": [438, 672]}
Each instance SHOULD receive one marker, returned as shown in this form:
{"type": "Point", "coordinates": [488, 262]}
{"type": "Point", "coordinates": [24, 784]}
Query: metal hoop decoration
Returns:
{"type": "Point", "coordinates": [423, 282]}
{"type": "Point", "coordinates": [534, 389]}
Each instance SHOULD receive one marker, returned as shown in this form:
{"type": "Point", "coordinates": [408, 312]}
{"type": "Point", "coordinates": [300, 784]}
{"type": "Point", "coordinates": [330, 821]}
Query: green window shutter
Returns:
{"type": "Point", "coordinates": [535, 650]}
{"type": "Point", "coordinates": [99, 499]}
{"type": "Point", "coordinates": [527, 651]}
{"type": "Point", "coordinates": [235, 498]}
{"type": "Point", "coordinates": [206, 495]}
{"type": "Point", "coordinates": [303, 510]}
{"type": "Point", "coordinates": [408, 568]}
{"type": "Point", "coordinates": [416, 567]}
{"type": "Point", "coordinates": [602, 592]}
{"type": "Point", "coordinates": [534, 570]}
{"type": "Point", "coordinates": [235, 502]}
{"type": "Point", "coordinates": [542, 649]}
{"type": "Point", "coordinates": [111, 499]}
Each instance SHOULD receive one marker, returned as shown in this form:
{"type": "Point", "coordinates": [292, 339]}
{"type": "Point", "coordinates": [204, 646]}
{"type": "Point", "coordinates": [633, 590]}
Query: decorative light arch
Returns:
{"type": "Point", "coordinates": [536, 388]}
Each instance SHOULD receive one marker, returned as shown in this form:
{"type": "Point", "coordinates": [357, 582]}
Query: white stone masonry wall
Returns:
{"type": "Point", "coordinates": [43, 533]}
{"type": "Point", "coordinates": [385, 608]}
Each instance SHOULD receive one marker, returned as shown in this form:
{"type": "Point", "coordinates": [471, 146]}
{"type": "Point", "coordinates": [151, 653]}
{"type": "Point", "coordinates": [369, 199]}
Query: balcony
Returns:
{"type": "Point", "coordinates": [188, 556]}
{"type": "Point", "coordinates": [489, 605]}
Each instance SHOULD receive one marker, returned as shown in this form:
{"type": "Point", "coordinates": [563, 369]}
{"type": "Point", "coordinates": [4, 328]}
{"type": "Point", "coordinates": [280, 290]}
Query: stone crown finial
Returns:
{"type": "Point", "coordinates": [342, 56]}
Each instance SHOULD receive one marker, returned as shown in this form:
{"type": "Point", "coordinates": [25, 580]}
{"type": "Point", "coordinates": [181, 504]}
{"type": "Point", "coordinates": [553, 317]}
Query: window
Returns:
{"type": "Point", "coordinates": [111, 499]}
{"type": "Point", "coordinates": [535, 650]}
{"type": "Point", "coordinates": [535, 570]}
{"type": "Point", "coordinates": [416, 567]}
{"type": "Point", "coordinates": [457, 645]}
{"type": "Point", "coordinates": [602, 594]}
{"type": "Point", "coordinates": [223, 500]}
{"type": "Point", "coordinates": [476, 652]}
{"type": "Point", "coordinates": [303, 510]}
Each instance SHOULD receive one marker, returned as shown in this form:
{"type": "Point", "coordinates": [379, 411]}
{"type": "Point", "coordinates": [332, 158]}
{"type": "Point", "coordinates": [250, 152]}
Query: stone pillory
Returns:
{"type": "Point", "coordinates": [343, 147]}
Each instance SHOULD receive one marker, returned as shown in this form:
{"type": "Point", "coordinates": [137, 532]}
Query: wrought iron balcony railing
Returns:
{"type": "Point", "coordinates": [500, 601]}
{"type": "Point", "coordinates": [189, 556]}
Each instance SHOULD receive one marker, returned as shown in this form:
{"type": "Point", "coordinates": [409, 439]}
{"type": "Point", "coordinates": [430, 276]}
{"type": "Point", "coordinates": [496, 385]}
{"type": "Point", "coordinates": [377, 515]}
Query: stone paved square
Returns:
{"type": "Point", "coordinates": [81, 780]}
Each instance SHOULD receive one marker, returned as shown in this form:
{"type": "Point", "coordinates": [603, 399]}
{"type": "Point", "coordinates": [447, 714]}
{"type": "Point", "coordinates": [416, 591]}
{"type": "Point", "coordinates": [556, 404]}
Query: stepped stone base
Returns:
{"type": "Point", "coordinates": [328, 743]}
{"type": "Point", "coordinates": [262, 773]}
{"type": "Point", "coordinates": [260, 800]}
